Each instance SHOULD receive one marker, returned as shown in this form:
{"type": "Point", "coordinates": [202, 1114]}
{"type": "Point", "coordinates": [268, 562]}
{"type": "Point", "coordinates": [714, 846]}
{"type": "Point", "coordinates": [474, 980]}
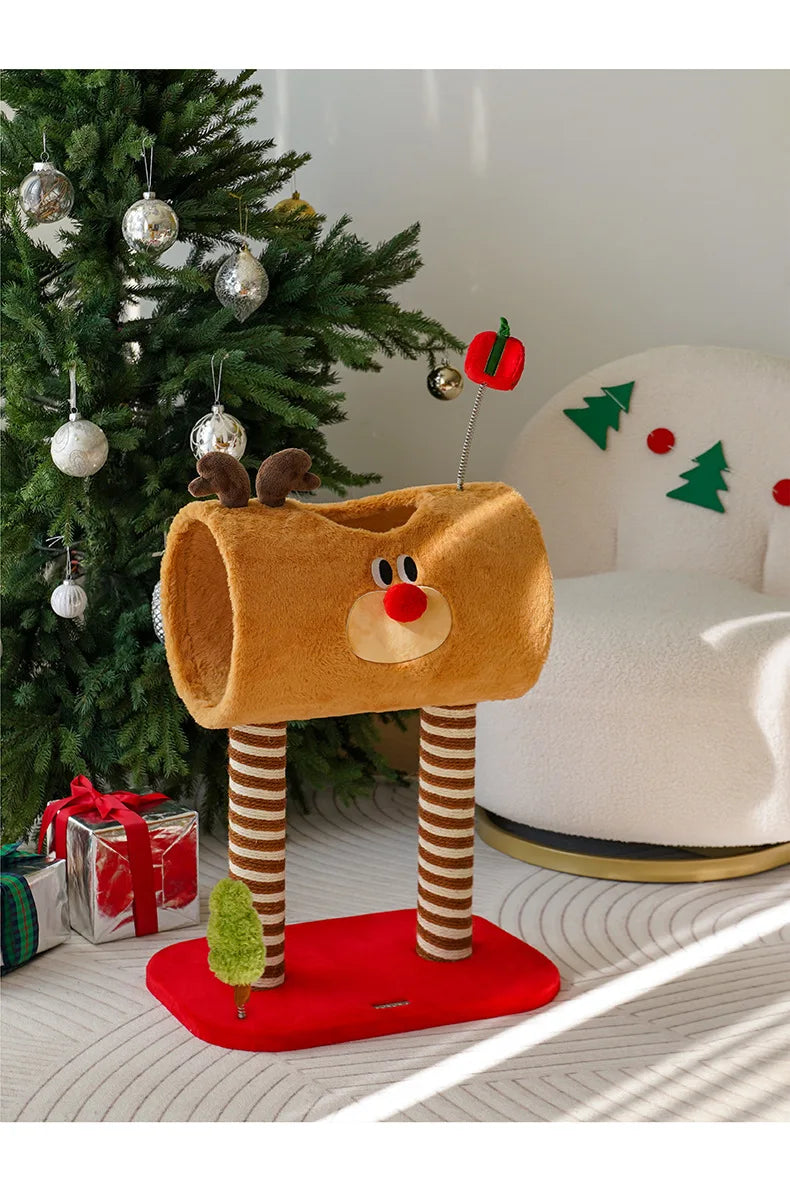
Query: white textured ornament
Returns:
{"type": "Point", "coordinates": [150, 226]}
{"type": "Point", "coordinates": [218, 432]}
{"type": "Point", "coordinates": [69, 600]}
{"type": "Point", "coordinates": [241, 283]}
{"type": "Point", "coordinates": [79, 447]}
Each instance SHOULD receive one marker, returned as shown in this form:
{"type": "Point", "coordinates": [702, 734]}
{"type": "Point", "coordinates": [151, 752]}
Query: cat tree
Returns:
{"type": "Point", "coordinates": [274, 610]}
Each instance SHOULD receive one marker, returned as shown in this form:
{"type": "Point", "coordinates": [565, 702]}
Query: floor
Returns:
{"type": "Point", "coordinates": [83, 1040]}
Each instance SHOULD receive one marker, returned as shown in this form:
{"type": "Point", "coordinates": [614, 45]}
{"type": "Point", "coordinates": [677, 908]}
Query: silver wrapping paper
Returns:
{"type": "Point", "coordinates": [99, 879]}
{"type": "Point", "coordinates": [49, 890]}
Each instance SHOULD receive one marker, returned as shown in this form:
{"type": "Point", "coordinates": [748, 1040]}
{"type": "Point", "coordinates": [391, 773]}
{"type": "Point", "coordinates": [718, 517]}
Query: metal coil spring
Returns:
{"type": "Point", "coordinates": [470, 429]}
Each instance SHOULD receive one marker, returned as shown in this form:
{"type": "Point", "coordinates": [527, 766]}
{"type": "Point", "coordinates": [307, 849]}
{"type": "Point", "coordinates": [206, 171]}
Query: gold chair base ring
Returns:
{"type": "Point", "coordinates": [667, 865]}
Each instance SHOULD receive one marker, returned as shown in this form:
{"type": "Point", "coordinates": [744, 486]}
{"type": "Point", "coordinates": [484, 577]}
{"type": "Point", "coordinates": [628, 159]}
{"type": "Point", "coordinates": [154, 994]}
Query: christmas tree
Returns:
{"type": "Point", "coordinates": [602, 413]}
{"type": "Point", "coordinates": [704, 481]}
{"type": "Point", "coordinates": [95, 696]}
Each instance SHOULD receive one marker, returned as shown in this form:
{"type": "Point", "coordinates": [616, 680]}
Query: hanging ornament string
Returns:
{"type": "Point", "coordinates": [148, 163]}
{"type": "Point", "coordinates": [244, 211]}
{"type": "Point", "coordinates": [216, 381]}
{"type": "Point", "coordinates": [59, 542]}
{"type": "Point", "coordinates": [73, 392]}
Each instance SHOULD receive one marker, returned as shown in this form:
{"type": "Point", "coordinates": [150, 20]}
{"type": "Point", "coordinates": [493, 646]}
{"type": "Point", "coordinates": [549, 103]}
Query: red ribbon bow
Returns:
{"type": "Point", "coordinates": [123, 806]}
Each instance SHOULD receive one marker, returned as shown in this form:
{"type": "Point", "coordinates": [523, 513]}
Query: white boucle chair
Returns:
{"type": "Point", "coordinates": [662, 716]}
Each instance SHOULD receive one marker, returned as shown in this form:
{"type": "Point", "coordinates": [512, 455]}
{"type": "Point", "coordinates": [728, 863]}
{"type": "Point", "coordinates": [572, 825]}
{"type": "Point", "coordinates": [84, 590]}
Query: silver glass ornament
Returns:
{"type": "Point", "coordinates": [445, 383]}
{"type": "Point", "coordinates": [150, 226]}
{"type": "Point", "coordinates": [156, 611]}
{"type": "Point", "coordinates": [69, 600]}
{"type": "Point", "coordinates": [45, 194]}
{"type": "Point", "coordinates": [79, 447]}
{"type": "Point", "coordinates": [241, 283]}
{"type": "Point", "coordinates": [218, 431]}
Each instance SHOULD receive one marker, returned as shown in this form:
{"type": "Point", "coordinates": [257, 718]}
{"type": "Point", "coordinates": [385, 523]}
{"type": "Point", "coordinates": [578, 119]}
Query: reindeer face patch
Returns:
{"type": "Point", "coordinates": [399, 620]}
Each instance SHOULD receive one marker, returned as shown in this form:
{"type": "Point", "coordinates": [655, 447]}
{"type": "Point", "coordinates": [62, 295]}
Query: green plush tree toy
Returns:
{"type": "Point", "coordinates": [237, 953]}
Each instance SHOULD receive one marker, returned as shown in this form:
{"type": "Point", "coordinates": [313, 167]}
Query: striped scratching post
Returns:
{"type": "Point", "coordinates": [256, 830]}
{"type": "Point", "coordinates": [446, 832]}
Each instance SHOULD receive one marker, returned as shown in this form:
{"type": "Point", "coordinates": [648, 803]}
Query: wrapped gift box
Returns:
{"type": "Point", "coordinates": [101, 894]}
{"type": "Point", "coordinates": [33, 898]}
{"type": "Point", "coordinates": [112, 894]}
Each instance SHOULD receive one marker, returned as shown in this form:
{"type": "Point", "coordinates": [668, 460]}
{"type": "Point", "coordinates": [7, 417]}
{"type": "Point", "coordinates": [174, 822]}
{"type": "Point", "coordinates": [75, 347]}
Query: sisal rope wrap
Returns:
{"type": "Point", "coordinates": [446, 832]}
{"type": "Point", "coordinates": [256, 832]}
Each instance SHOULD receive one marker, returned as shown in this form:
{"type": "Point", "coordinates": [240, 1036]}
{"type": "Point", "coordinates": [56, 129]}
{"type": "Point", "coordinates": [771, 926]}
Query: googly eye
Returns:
{"type": "Point", "coordinates": [407, 569]}
{"type": "Point", "coordinates": [382, 572]}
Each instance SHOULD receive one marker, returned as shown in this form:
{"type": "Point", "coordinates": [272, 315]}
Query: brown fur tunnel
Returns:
{"type": "Point", "coordinates": [278, 615]}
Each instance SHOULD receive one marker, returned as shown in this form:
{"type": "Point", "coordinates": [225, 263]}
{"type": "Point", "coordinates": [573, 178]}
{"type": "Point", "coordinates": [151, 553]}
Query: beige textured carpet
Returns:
{"type": "Point", "coordinates": [712, 1045]}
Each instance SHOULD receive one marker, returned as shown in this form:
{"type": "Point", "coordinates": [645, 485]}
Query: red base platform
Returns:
{"type": "Point", "coordinates": [356, 977]}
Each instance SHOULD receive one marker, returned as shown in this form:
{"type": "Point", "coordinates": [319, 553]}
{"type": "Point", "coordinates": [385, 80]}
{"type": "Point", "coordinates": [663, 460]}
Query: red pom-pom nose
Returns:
{"type": "Point", "coordinates": [405, 603]}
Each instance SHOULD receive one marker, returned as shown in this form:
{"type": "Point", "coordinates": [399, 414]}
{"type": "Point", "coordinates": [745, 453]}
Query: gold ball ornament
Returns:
{"type": "Point", "coordinates": [445, 383]}
{"type": "Point", "coordinates": [294, 204]}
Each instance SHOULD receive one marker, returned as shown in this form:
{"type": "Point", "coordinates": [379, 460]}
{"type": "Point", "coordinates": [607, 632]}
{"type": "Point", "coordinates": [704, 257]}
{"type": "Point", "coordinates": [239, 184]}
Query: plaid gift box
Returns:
{"type": "Point", "coordinates": [34, 905]}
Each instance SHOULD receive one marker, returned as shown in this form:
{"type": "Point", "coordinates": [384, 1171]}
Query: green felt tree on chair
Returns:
{"type": "Point", "coordinates": [704, 481]}
{"type": "Point", "coordinates": [237, 954]}
{"type": "Point", "coordinates": [602, 413]}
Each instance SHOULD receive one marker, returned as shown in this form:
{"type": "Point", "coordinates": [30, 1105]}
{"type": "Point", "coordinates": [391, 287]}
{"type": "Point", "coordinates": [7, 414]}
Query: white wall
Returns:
{"type": "Point", "coordinates": [602, 211]}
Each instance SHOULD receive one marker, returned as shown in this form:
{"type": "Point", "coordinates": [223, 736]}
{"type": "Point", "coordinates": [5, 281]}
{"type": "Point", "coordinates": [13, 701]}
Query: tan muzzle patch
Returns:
{"type": "Point", "coordinates": [378, 638]}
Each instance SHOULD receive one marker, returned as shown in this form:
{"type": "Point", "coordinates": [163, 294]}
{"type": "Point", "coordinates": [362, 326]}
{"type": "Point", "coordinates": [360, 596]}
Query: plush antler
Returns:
{"type": "Point", "coordinates": [223, 476]}
{"type": "Point", "coordinates": [285, 471]}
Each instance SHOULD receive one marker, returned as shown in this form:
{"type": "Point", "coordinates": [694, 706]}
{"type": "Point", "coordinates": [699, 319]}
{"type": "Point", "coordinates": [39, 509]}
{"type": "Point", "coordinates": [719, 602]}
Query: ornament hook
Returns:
{"type": "Point", "coordinates": [44, 152]}
{"type": "Point", "coordinates": [60, 542]}
{"type": "Point", "coordinates": [148, 163]}
{"type": "Point", "coordinates": [242, 206]}
{"type": "Point", "coordinates": [73, 392]}
{"type": "Point", "coordinates": [217, 380]}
